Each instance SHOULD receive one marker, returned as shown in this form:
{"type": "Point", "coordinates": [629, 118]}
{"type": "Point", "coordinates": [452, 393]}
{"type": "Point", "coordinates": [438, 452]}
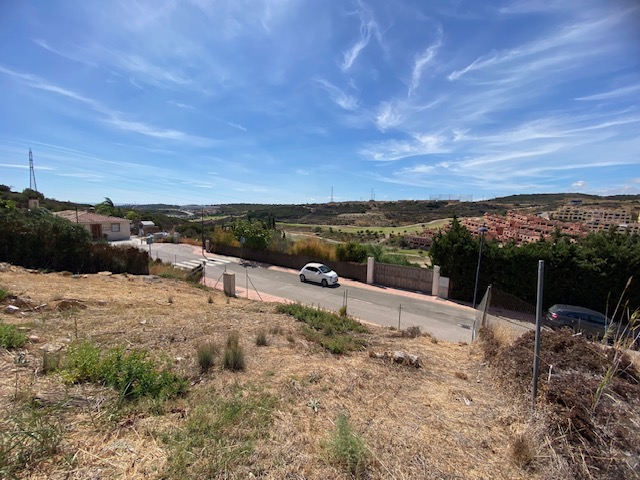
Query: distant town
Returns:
{"type": "Point", "coordinates": [573, 220]}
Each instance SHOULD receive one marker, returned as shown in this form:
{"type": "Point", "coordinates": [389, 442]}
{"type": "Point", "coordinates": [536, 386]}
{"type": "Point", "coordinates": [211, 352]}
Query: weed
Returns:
{"type": "Point", "coordinates": [210, 299]}
{"type": "Point", "coordinates": [206, 353]}
{"type": "Point", "coordinates": [219, 433]}
{"type": "Point", "coordinates": [10, 337]}
{"type": "Point", "coordinates": [261, 339]}
{"type": "Point", "coordinates": [331, 331]}
{"type": "Point", "coordinates": [343, 311]}
{"type": "Point", "coordinates": [290, 338]}
{"type": "Point", "coordinates": [27, 435]}
{"type": "Point", "coordinates": [132, 374]}
{"type": "Point", "coordinates": [434, 340]}
{"type": "Point", "coordinates": [276, 330]}
{"type": "Point", "coordinates": [233, 354]}
{"type": "Point", "coordinates": [170, 299]}
{"type": "Point", "coordinates": [346, 448]}
{"type": "Point", "coordinates": [4, 294]}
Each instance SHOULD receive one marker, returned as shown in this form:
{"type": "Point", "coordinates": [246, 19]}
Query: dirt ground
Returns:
{"type": "Point", "coordinates": [445, 420]}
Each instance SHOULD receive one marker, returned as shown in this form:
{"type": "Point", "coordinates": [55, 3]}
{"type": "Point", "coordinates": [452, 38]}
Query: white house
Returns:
{"type": "Point", "coordinates": [100, 226]}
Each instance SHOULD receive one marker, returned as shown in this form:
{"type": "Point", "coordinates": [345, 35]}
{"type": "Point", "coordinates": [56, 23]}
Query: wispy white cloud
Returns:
{"type": "Point", "coordinates": [111, 117]}
{"type": "Point", "coordinates": [579, 184]}
{"type": "Point", "coordinates": [421, 61]}
{"type": "Point", "coordinates": [83, 176]}
{"type": "Point", "coordinates": [393, 150]}
{"type": "Point", "coordinates": [13, 165]}
{"type": "Point", "coordinates": [180, 105]}
{"type": "Point", "coordinates": [368, 26]}
{"type": "Point", "coordinates": [236, 125]}
{"type": "Point", "coordinates": [615, 93]}
{"type": "Point", "coordinates": [387, 117]}
{"type": "Point", "coordinates": [344, 100]}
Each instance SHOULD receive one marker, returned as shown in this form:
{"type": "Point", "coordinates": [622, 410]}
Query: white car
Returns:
{"type": "Point", "coordinates": [318, 273]}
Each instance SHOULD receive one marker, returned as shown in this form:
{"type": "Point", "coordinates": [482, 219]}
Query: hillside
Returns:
{"type": "Point", "coordinates": [278, 418]}
{"type": "Point", "coordinates": [407, 212]}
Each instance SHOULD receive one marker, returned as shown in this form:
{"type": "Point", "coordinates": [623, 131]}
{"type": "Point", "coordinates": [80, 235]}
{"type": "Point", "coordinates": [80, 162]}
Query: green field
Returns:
{"type": "Point", "coordinates": [415, 228]}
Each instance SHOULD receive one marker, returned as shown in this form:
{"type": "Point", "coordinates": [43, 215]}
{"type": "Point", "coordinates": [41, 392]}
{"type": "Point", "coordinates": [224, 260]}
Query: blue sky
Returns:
{"type": "Point", "coordinates": [287, 101]}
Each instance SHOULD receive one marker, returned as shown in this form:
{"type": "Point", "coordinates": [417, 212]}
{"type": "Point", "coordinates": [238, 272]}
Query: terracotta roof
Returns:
{"type": "Point", "coordinates": [89, 217]}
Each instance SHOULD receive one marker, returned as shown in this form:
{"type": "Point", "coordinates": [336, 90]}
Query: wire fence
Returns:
{"type": "Point", "coordinates": [500, 308]}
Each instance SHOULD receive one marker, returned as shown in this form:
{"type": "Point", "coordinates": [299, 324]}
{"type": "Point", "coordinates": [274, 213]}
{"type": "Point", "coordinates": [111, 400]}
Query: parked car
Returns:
{"type": "Point", "coordinates": [318, 273]}
{"type": "Point", "coordinates": [591, 323]}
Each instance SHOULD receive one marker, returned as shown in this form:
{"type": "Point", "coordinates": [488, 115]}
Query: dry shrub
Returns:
{"type": "Point", "coordinates": [521, 451]}
{"type": "Point", "coordinates": [412, 332]}
{"type": "Point", "coordinates": [596, 440]}
{"type": "Point", "coordinates": [314, 247]}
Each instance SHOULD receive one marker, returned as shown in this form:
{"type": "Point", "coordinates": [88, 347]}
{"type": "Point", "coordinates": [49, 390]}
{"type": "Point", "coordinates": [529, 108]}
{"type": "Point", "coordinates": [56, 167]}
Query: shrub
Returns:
{"type": "Point", "coordinates": [3, 294]}
{"type": "Point", "coordinates": [10, 337]}
{"type": "Point", "coordinates": [261, 339]}
{"type": "Point", "coordinates": [351, 252]}
{"type": "Point", "coordinates": [346, 448]}
{"type": "Point", "coordinates": [206, 353]}
{"type": "Point", "coordinates": [132, 374]}
{"type": "Point", "coordinates": [314, 247]}
{"type": "Point", "coordinates": [233, 354]}
{"type": "Point", "coordinates": [412, 332]}
{"type": "Point", "coordinates": [329, 330]}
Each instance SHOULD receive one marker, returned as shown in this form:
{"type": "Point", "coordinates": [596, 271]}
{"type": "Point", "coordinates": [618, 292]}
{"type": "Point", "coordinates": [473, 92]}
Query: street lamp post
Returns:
{"type": "Point", "coordinates": [202, 228]}
{"type": "Point", "coordinates": [482, 230]}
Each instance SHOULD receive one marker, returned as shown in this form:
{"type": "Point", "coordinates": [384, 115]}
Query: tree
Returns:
{"type": "Point", "coordinates": [108, 208]}
{"type": "Point", "coordinates": [254, 234]}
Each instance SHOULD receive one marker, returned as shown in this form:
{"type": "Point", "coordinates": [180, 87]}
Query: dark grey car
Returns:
{"type": "Point", "coordinates": [591, 323]}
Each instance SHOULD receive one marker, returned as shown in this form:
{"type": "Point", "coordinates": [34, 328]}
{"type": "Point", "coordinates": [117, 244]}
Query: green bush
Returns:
{"type": "Point", "coordinates": [132, 374]}
{"type": "Point", "coordinates": [10, 337]}
{"type": "Point", "coordinates": [351, 252]}
{"type": "Point", "coordinates": [39, 239]}
{"type": "Point", "coordinates": [331, 331]}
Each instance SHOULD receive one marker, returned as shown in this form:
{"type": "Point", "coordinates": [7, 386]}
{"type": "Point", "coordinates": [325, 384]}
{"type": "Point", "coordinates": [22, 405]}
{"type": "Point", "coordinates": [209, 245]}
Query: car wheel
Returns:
{"type": "Point", "coordinates": [324, 282]}
{"type": "Point", "coordinates": [302, 278]}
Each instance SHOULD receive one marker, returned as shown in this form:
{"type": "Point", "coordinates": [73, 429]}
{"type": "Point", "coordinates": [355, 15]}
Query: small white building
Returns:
{"type": "Point", "coordinates": [100, 226]}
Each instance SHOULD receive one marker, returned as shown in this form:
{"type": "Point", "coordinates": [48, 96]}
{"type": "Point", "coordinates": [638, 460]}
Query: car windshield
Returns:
{"type": "Point", "coordinates": [324, 269]}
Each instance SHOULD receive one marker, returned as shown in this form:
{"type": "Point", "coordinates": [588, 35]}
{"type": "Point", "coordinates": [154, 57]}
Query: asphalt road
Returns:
{"type": "Point", "coordinates": [379, 305]}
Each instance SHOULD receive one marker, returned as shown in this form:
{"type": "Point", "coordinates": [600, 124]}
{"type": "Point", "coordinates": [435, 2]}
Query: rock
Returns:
{"type": "Point", "coordinates": [402, 358]}
{"type": "Point", "coordinates": [69, 304]}
{"type": "Point", "coordinates": [51, 347]}
{"type": "Point", "coordinates": [34, 338]}
{"type": "Point", "coordinates": [143, 322]}
{"type": "Point", "coordinates": [11, 309]}
{"type": "Point", "coordinates": [105, 274]}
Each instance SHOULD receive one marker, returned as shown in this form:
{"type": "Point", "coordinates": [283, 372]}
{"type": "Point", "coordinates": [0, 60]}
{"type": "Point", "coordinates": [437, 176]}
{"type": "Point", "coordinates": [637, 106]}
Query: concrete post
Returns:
{"type": "Point", "coordinates": [229, 284]}
{"type": "Point", "coordinates": [435, 286]}
{"type": "Point", "coordinates": [370, 266]}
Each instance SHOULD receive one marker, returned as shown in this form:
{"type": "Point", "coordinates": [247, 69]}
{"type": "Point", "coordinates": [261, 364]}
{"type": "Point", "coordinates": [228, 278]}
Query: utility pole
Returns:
{"type": "Point", "coordinates": [202, 227]}
{"type": "Point", "coordinates": [32, 173]}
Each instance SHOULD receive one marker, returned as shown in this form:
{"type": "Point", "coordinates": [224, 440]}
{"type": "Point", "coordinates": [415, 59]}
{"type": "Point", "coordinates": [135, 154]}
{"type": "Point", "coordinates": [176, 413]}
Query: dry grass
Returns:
{"type": "Point", "coordinates": [432, 422]}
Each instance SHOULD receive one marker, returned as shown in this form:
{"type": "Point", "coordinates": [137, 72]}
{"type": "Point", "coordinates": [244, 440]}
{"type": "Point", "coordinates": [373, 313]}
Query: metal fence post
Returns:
{"type": "Point", "coordinates": [536, 351]}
